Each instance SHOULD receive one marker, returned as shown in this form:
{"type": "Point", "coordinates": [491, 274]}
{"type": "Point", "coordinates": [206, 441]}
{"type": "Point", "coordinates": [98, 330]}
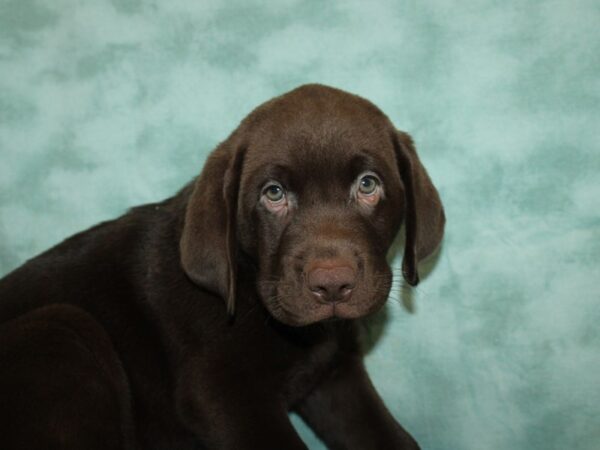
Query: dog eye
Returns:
{"type": "Point", "coordinates": [274, 193]}
{"type": "Point", "coordinates": [367, 190]}
{"type": "Point", "coordinates": [275, 199]}
{"type": "Point", "coordinates": [368, 184]}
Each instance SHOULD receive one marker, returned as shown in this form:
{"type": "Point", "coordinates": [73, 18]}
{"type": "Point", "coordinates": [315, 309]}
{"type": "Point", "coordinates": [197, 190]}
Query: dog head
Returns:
{"type": "Point", "coordinates": [312, 186]}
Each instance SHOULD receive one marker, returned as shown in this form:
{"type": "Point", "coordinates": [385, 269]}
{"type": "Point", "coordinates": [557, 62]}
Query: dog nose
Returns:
{"type": "Point", "coordinates": [331, 282]}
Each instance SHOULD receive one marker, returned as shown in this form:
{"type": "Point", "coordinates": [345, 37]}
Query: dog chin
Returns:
{"type": "Point", "coordinates": [325, 313]}
{"type": "Point", "coordinates": [294, 319]}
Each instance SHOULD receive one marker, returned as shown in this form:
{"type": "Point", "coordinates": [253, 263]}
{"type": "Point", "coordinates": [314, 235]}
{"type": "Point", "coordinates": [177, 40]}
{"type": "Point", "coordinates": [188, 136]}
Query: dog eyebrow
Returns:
{"type": "Point", "coordinates": [361, 163]}
{"type": "Point", "coordinates": [273, 172]}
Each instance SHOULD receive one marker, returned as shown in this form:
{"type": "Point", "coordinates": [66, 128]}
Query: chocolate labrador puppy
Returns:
{"type": "Point", "coordinates": [200, 321]}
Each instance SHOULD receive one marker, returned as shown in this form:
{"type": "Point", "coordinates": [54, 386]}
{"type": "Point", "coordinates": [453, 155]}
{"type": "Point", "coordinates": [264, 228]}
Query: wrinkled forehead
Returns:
{"type": "Point", "coordinates": [320, 143]}
{"type": "Point", "coordinates": [313, 158]}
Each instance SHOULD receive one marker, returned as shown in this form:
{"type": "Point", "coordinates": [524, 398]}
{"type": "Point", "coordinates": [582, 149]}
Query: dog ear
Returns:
{"type": "Point", "coordinates": [208, 243]}
{"type": "Point", "coordinates": [425, 218]}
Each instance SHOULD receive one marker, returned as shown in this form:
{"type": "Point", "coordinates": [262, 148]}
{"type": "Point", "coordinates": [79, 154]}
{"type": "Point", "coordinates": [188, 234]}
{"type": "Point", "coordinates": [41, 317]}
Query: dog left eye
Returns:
{"type": "Point", "coordinates": [368, 184]}
{"type": "Point", "coordinates": [368, 190]}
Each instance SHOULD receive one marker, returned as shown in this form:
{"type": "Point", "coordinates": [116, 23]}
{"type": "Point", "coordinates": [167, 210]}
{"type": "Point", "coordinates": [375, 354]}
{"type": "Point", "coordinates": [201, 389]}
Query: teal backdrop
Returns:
{"type": "Point", "coordinates": [109, 104]}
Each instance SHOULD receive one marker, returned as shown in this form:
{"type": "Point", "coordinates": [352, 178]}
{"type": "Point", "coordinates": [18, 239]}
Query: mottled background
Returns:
{"type": "Point", "coordinates": [109, 104]}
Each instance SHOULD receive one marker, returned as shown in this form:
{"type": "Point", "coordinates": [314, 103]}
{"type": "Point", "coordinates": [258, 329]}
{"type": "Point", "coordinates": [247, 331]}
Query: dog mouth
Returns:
{"type": "Point", "coordinates": [325, 292]}
{"type": "Point", "coordinates": [304, 310]}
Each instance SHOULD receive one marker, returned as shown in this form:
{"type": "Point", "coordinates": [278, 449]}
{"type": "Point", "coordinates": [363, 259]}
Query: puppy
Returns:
{"type": "Point", "coordinates": [202, 320]}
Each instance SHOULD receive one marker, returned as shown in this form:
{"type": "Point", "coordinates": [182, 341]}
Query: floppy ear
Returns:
{"type": "Point", "coordinates": [208, 241]}
{"type": "Point", "coordinates": [425, 219]}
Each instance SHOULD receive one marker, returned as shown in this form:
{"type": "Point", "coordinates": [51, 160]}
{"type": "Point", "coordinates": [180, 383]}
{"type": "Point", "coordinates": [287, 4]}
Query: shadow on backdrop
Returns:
{"type": "Point", "coordinates": [373, 326]}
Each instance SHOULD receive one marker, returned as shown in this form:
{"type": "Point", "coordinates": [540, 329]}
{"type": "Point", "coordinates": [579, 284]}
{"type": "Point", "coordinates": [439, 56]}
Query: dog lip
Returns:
{"type": "Point", "coordinates": [338, 311]}
{"type": "Point", "coordinates": [344, 311]}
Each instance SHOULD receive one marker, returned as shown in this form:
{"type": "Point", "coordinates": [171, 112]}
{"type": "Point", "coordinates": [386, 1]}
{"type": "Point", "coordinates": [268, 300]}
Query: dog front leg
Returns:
{"type": "Point", "coordinates": [233, 416]}
{"type": "Point", "coordinates": [347, 413]}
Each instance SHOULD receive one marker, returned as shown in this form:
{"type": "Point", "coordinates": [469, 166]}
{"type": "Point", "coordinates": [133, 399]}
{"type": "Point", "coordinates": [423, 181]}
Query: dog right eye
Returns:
{"type": "Point", "coordinates": [274, 193]}
{"type": "Point", "coordinates": [275, 199]}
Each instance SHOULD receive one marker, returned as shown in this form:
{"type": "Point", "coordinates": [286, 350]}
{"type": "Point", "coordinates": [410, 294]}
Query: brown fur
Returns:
{"type": "Point", "coordinates": [202, 320]}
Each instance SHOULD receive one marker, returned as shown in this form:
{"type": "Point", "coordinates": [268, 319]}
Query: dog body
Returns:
{"type": "Point", "coordinates": [201, 321]}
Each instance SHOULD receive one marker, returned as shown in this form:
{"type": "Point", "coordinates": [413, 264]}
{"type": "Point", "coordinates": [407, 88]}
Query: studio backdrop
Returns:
{"type": "Point", "coordinates": [105, 105]}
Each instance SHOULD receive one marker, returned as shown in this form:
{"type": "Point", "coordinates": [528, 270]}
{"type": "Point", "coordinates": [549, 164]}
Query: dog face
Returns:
{"type": "Point", "coordinates": [312, 187]}
{"type": "Point", "coordinates": [320, 202]}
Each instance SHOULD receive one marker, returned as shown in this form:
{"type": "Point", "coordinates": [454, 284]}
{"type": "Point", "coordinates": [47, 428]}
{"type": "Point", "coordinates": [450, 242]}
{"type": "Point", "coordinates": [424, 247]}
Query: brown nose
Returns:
{"type": "Point", "coordinates": [330, 281]}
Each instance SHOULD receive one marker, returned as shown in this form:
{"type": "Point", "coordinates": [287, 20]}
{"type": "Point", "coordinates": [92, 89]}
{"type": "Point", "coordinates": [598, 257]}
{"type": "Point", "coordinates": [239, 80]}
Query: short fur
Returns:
{"type": "Point", "coordinates": [190, 323]}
